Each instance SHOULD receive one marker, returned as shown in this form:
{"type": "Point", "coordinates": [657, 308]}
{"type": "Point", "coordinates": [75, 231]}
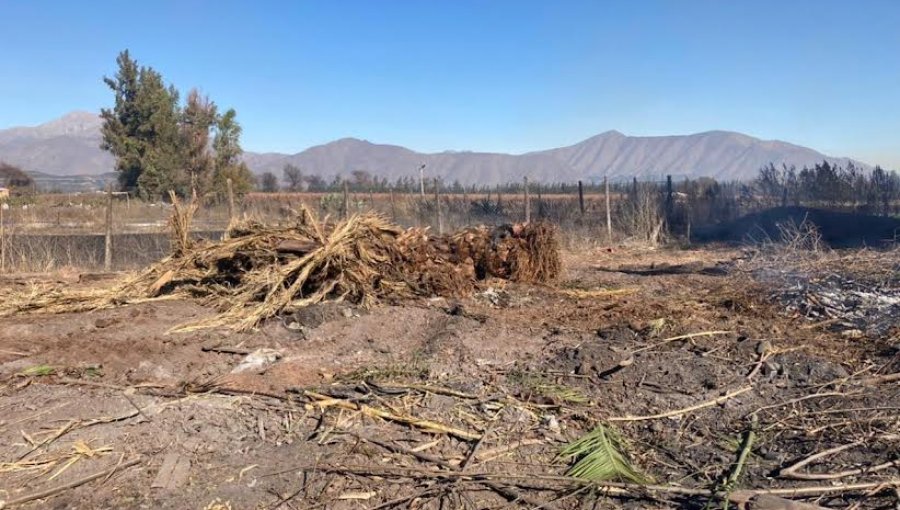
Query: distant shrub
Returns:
{"type": "Point", "coordinates": [14, 177]}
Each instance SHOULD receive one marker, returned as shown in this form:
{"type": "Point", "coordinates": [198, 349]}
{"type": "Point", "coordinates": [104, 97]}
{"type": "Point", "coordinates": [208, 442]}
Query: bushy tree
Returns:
{"type": "Point", "coordinates": [160, 146]}
{"type": "Point", "coordinates": [14, 177]}
{"type": "Point", "coordinates": [268, 183]}
{"type": "Point", "coordinates": [316, 183]}
{"type": "Point", "coordinates": [293, 177]}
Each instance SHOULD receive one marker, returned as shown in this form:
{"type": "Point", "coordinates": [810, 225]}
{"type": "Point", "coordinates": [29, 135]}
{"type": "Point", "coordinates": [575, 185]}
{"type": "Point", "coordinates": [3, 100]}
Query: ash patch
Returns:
{"type": "Point", "coordinates": [854, 307]}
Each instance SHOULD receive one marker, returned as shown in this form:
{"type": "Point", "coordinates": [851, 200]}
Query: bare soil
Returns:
{"type": "Point", "coordinates": [530, 368]}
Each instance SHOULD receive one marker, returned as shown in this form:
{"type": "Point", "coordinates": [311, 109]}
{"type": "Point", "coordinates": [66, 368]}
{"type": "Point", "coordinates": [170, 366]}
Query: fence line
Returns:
{"type": "Point", "coordinates": [610, 213]}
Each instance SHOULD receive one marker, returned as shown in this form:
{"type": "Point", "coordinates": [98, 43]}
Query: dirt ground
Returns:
{"type": "Point", "coordinates": [466, 403]}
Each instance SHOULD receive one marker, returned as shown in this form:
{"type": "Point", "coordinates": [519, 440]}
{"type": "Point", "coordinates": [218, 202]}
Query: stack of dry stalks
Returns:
{"type": "Point", "coordinates": [262, 271]}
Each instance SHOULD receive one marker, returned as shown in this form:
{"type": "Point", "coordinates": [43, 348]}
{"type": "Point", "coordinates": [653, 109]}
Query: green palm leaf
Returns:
{"type": "Point", "coordinates": [601, 457]}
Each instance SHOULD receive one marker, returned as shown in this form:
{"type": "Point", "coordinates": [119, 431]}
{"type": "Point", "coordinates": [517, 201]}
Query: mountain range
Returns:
{"type": "Point", "coordinates": [70, 145]}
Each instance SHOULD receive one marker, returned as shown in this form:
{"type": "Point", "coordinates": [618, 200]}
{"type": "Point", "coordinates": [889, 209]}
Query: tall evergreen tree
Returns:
{"type": "Point", "coordinates": [141, 130]}
{"type": "Point", "coordinates": [228, 164]}
{"type": "Point", "coordinates": [121, 124]}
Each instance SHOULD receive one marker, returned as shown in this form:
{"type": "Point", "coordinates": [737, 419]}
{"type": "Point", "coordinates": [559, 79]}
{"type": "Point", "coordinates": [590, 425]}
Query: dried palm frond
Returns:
{"type": "Point", "coordinates": [600, 456]}
{"type": "Point", "coordinates": [180, 221]}
{"type": "Point", "coordinates": [262, 271]}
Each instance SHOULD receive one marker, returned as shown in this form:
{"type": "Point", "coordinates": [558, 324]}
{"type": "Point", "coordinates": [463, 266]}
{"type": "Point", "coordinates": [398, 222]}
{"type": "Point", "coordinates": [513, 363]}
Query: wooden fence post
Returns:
{"type": "Point", "coordinates": [581, 197]}
{"type": "Point", "coordinates": [670, 204]}
{"type": "Point", "coordinates": [107, 245]}
{"type": "Point", "coordinates": [437, 206]}
{"type": "Point", "coordinates": [540, 200]}
{"type": "Point", "coordinates": [422, 181]}
{"type": "Point", "coordinates": [2, 241]}
{"type": "Point", "coordinates": [466, 206]}
{"type": "Point", "coordinates": [527, 202]}
{"type": "Point", "coordinates": [608, 212]}
{"type": "Point", "coordinates": [230, 187]}
{"type": "Point", "coordinates": [345, 209]}
{"type": "Point", "coordinates": [393, 208]}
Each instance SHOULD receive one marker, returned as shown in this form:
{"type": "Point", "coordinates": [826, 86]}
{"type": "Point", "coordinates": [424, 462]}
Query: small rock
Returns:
{"type": "Point", "coordinates": [104, 323]}
{"type": "Point", "coordinates": [552, 423]}
{"type": "Point", "coordinates": [257, 360]}
{"type": "Point", "coordinates": [346, 312]}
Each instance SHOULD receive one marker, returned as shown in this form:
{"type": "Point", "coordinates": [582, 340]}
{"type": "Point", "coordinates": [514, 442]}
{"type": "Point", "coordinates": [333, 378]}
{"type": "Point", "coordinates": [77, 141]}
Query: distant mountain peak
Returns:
{"type": "Point", "coordinates": [76, 123]}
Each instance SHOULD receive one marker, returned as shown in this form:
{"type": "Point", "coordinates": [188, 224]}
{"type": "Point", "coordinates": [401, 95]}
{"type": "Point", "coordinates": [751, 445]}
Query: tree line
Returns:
{"type": "Point", "coordinates": [831, 186]}
{"type": "Point", "coordinates": [294, 179]}
{"type": "Point", "coordinates": [161, 144]}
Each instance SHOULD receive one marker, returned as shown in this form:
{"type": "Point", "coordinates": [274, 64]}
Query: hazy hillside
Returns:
{"type": "Point", "coordinates": [720, 154]}
{"type": "Point", "coordinates": [70, 146]}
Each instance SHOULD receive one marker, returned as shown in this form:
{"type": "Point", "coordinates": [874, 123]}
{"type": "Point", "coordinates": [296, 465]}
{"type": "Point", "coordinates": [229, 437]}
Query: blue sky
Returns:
{"type": "Point", "coordinates": [508, 76]}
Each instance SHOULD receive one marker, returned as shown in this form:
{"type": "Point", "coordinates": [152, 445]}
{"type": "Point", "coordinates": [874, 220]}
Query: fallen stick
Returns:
{"type": "Point", "coordinates": [438, 390]}
{"type": "Point", "coordinates": [493, 453]}
{"type": "Point", "coordinates": [71, 485]}
{"type": "Point", "coordinates": [679, 337]}
{"type": "Point", "coordinates": [510, 493]}
{"type": "Point", "coordinates": [685, 410]}
{"type": "Point", "coordinates": [14, 353]}
{"type": "Point", "coordinates": [816, 490]}
{"type": "Point", "coordinates": [792, 471]}
{"type": "Point", "coordinates": [767, 502]}
{"type": "Point", "coordinates": [226, 350]}
{"type": "Point", "coordinates": [98, 384]}
{"type": "Point", "coordinates": [879, 379]}
{"type": "Point", "coordinates": [426, 425]}
{"type": "Point", "coordinates": [805, 397]}
{"type": "Point", "coordinates": [743, 496]}
{"type": "Point", "coordinates": [46, 442]}
{"type": "Point", "coordinates": [746, 448]}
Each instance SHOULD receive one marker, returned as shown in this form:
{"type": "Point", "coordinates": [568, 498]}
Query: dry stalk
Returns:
{"type": "Point", "coordinates": [793, 471]}
{"type": "Point", "coordinates": [686, 410]}
{"type": "Point", "coordinates": [324, 401]}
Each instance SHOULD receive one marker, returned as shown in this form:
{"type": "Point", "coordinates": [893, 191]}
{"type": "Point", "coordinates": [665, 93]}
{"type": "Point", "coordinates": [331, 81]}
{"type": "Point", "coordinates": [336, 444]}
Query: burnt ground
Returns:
{"type": "Point", "coordinates": [837, 229]}
{"type": "Point", "coordinates": [463, 403]}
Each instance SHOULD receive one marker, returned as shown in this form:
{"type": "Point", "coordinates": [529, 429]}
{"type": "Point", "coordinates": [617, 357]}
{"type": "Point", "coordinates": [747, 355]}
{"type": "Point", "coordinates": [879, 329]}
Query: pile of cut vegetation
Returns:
{"type": "Point", "coordinates": [261, 271]}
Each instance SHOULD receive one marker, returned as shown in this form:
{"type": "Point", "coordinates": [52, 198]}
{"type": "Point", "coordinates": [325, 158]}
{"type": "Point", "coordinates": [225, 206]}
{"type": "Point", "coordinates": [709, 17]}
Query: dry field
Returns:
{"type": "Point", "coordinates": [710, 378]}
